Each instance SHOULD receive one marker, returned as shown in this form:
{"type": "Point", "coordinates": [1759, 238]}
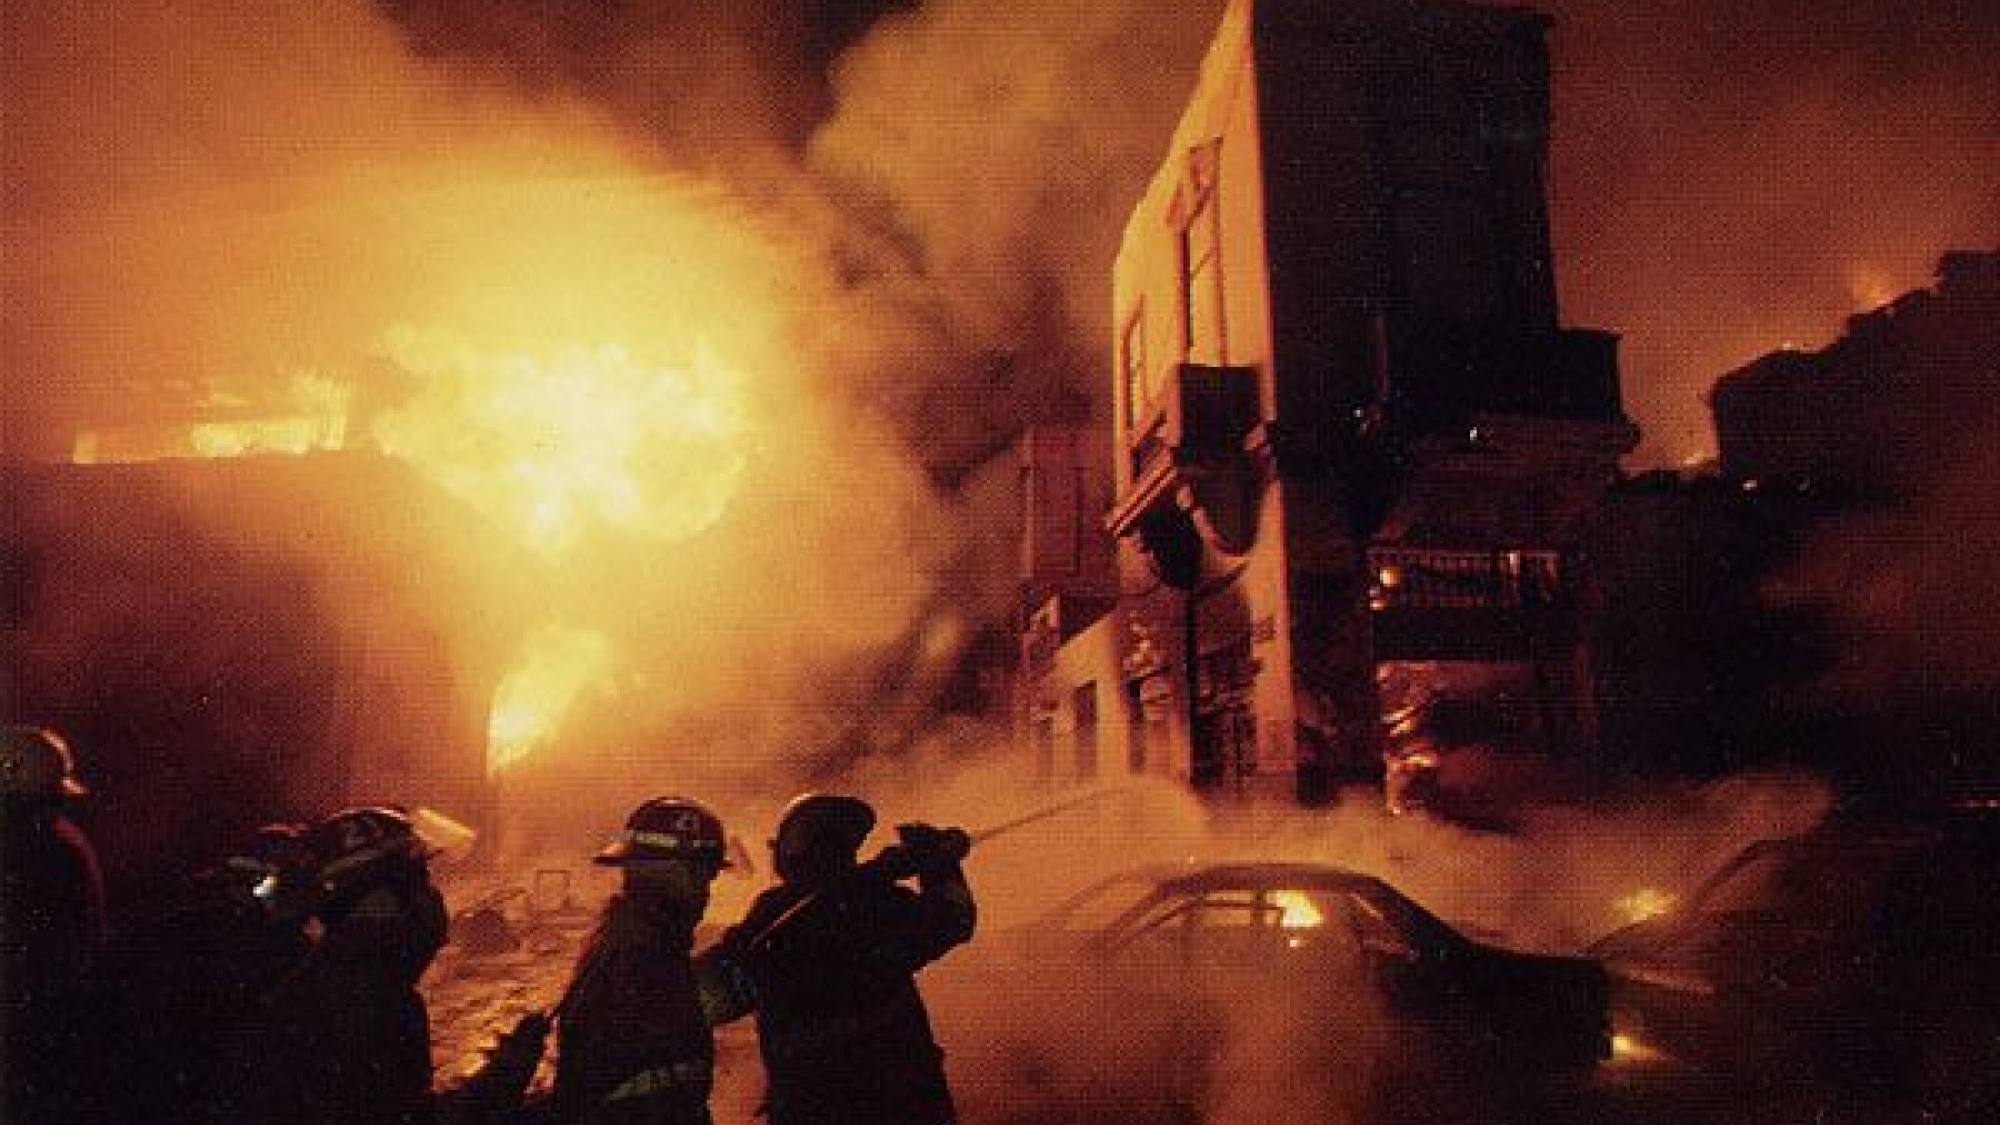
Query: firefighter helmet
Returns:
{"type": "Point", "coordinates": [357, 848]}
{"type": "Point", "coordinates": [669, 828]}
{"type": "Point", "coordinates": [36, 763]}
{"type": "Point", "coordinates": [830, 822]}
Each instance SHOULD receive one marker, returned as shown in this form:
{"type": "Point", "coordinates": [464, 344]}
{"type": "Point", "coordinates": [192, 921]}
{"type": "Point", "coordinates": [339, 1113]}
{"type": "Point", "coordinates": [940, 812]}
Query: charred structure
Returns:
{"type": "Point", "coordinates": [1350, 439]}
{"type": "Point", "coordinates": [236, 641]}
{"type": "Point", "coordinates": [1873, 418]}
{"type": "Point", "coordinates": [1813, 598]}
{"type": "Point", "coordinates": [1874, 458]}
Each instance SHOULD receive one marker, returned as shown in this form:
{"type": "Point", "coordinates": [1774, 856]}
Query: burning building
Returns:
{"type": "Point", "coordinates": [1350, 439]}
{"type": "Point", "coordinates": [1875, 416]}
{"type": "Point", "coordinates": [1873, 457]}
{"type": "Point", "coordinates": [239, 640]}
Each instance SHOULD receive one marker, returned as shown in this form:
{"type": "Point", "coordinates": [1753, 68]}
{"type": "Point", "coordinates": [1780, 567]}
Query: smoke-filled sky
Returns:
{"type": "Point", "coordinates": [839, 251]}
{"type": "Point", "coordinates": [1728, 175]}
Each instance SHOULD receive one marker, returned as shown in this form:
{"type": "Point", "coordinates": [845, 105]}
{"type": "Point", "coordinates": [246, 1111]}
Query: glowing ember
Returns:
{"type": "Point", "coordinates": [547, 445]}
{"type": "Point", "coordinates": [531, 702]}
{"type": "Point", "coordinates": [1643, 904]}
{"type": "Point", "coordinates": [1298, 911]}
{"type": "Point", "coordinates": [1630, 1050]}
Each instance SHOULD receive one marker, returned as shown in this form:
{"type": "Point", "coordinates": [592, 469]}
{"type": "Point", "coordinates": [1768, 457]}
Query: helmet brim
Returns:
{"type": "Point", "coordinates": [615, 854]}
{"type": "Point", "coordinates": [623, 853]}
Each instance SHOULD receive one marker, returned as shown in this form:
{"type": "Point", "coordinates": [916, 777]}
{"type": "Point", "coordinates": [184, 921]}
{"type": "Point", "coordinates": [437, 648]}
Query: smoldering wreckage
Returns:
{"type": "Point", "coordinates": [1337, 535]}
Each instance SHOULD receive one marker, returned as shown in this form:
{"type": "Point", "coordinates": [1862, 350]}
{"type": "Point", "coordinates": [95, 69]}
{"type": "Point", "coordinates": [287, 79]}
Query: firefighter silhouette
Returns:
{"type": "Point", "coordinates": [632, 1042]}
{"type": "Point", "coordinates": [827, 960]}
{"type": "Point", "coordinates": [51, 927]}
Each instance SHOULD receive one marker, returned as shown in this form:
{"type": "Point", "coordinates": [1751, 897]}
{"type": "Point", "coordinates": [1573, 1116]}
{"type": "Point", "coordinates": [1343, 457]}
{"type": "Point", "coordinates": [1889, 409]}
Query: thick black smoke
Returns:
{"type": "Point", "coordinates": [212, 193]}
{"type": "Point", "coordinates": [706, 80]}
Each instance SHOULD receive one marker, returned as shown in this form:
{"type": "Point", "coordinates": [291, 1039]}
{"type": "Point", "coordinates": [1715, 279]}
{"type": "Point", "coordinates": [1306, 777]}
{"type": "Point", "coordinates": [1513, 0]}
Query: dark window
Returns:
{"type": "Point", "coordinates": [1085, 705]}
{"type": "Point", "coordinates": [1135, 727]}
{"type": "Point", "coordinates": [1044, 738]}
{"type": "Point", "coordinates": [1225, 724]}
{"type": "Point", "coordinates": [1201, 259]}
{"type": "Point", "coordinates": [16, 586]}
{"type": "Point", "coordinates": [1138, 398]}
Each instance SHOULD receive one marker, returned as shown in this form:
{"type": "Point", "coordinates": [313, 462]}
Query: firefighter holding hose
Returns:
{"type": "Point", "coordinates": [827, 960]}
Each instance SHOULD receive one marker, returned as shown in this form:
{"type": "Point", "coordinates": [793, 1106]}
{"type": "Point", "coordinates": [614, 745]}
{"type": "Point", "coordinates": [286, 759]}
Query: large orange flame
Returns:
{"type": "Point", "coordinates": [564, 351]}
{"type": "Point", "coordinates": [546, 445]}
{"type": "Point", "coordinates": [534, 698]}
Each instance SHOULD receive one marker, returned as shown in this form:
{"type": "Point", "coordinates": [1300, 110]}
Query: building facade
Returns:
{"type": "Point", "coordinates": [1349, 440]}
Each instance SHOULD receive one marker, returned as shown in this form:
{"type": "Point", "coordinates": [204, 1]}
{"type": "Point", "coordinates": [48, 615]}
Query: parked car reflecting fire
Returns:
{"type": "Point", "coordinates": [1186, 969]}
{"type": "Point", "coordinates": [1852, 968]}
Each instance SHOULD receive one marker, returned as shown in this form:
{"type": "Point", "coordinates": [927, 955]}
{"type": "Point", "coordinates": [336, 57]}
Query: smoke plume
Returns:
{"type": "Point", "coordinates": [1026, 1032]}
{"type": "Point", "coordinates": [1726, 177]}
{"type": "Point", "coordinates": [894, 219]}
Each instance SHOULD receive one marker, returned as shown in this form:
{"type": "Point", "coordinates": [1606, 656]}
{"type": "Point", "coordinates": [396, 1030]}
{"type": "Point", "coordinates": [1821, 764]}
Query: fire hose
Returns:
{"type": "Point", "coordinates": [893, 862]}
{"type": "Point", "coordinates": [1042, 814]}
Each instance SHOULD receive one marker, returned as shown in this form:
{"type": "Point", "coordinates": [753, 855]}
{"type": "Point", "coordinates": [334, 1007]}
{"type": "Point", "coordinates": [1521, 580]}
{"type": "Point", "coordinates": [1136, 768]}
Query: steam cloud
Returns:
{"type": "Point", "coordinates": [916, 204]}
{"type": "Point", "coordinates": [1021, 1035]}
{"type": "Point", "coordinates": [1020, 1045]}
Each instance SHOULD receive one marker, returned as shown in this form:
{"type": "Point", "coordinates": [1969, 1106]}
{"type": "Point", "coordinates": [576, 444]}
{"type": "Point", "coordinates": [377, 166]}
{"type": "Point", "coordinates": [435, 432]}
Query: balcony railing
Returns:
{"type": "Point", "coordinates": [1420, 578]}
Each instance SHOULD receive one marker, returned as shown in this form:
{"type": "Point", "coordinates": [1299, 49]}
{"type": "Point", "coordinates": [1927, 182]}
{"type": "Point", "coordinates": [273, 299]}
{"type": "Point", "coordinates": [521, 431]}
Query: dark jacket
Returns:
{"type": "Point", "coordinates": [344, 1040]}
{"type": "Point", "coordinates": [843, 1031]}
{"type": "Point", "coordinates": [632, 1046]}
{"type": "Point", "coordinates": [51, 934]}
{"type": "Point", "coordinates": [177, 990]}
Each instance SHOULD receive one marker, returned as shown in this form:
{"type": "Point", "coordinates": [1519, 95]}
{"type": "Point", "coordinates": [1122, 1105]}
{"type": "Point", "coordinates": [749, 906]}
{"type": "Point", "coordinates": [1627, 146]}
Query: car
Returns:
{"type": "Point", "coordinates": [1164, 984]}
{"type": "Point", "coordinates": [1852, 968]}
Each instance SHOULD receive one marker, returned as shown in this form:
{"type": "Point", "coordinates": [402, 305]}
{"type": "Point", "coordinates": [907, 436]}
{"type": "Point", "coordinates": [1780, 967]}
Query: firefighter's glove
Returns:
{"type": "Point", "coordinates": [520, 1050]}
{"type": "Point", "coordinates": [510, 1066]}
{"type": "Point", "coordinates": [931, 848]}
{"type": "Point", "coordinates": [725, 983]}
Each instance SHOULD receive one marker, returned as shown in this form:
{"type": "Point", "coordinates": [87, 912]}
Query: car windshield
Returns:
{"type": "Point", "coordinates": [1791, 879]}
{"type": "Point", "coordinates": [1305, 912]}
{"type": "Point", "coordinates": [1411, 923]}
{"type": "Point", "coordinates": [1097, 907]}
